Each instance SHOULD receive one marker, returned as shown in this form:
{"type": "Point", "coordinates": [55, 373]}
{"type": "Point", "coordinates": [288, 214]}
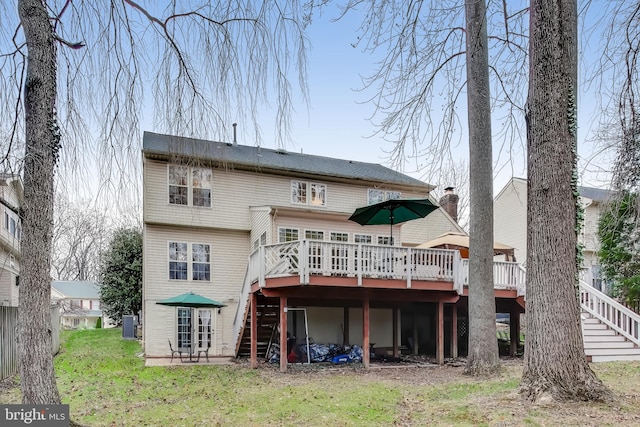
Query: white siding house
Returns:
{"type": "Point", "coordinates": [208, 205]}
{"type": "Point", "coordinates": [510, 223]}
{"type": "Point", "coordinates": [11, 196]}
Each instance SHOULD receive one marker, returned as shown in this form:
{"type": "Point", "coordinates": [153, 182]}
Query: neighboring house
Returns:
{"type": "Point", "coordinates": [79, 303]}
{"type": "Point", "coordinates": [11, 197]}
{"type": "Point", "coordinates": [266, 233]}
{"type": "Point", "coordinates": [510, 224]}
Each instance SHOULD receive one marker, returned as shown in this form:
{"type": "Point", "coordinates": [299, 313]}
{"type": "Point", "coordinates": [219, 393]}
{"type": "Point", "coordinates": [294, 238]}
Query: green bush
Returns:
{"type": "Point", "coordinates": [99, 323]}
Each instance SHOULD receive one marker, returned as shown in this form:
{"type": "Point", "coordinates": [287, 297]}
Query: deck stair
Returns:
{"type": "Point", "coordinates": [610, 330]}
{"type": "Point", "coordinates": [603, 344]}
{"type": "Point", "coordinates": [268, 310]}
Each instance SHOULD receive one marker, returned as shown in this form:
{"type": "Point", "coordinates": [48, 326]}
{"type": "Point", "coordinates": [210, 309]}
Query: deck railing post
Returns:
{"type": "Point", "coordinates": [262, 266]}
{"type": "Point", "coordinates": [408, 267]}
{"type": "Point", "coordinates": [359, 263]}
{"type": "Point", "coordinates": [303, 261]}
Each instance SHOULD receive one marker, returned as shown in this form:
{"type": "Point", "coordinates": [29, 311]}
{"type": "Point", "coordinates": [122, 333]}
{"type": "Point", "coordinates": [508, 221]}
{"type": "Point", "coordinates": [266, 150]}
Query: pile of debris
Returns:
{"type": "Point", "coordinates": [333, 353]}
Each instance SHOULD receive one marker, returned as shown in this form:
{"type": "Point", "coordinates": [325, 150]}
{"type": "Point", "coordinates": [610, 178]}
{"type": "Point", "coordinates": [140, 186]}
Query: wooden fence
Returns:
{"type": "Point", "coordinates": [9, 338]}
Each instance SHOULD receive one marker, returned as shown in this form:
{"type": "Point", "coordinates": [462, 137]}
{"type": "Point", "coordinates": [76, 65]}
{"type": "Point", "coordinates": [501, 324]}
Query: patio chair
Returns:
{"type": "Point", "coordinates": [174, 352]}
{"type": "Point", "coordinates": [206, 353]}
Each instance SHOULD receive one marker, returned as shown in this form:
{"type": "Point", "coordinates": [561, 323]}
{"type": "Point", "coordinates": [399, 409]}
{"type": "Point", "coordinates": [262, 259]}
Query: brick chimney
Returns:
{"type": "Point", "coordinates": [449, 203]}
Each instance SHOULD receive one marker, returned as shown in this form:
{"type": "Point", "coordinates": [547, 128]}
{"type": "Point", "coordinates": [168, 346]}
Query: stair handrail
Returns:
{"type": "Point", "coordinates": [243, 300]}
{"type": "Point", "coordinates": [610, 312]}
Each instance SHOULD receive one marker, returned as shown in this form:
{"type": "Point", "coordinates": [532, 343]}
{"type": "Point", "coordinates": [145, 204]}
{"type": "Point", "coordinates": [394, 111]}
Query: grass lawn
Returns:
{"type": "Point", "coordinates": [105, 383]}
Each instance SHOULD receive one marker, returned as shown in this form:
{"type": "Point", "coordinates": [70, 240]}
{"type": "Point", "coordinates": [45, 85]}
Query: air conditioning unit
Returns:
{"type": "Point", "coordinates": [130, 327]}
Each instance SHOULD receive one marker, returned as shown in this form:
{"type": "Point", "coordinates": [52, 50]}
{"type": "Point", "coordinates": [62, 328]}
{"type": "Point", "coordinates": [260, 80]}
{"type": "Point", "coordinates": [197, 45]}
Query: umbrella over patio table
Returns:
{"type": "Point", "coordinates": [190, 299]}
{"type": "Point", "coordinates": [393, 211]}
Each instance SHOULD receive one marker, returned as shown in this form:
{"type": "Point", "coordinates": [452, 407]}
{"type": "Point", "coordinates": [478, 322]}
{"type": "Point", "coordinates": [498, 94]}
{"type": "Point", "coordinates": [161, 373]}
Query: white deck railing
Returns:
{"type": "Point", "coordinates": [374, 261]}
{"type": "Point", "coordinates": [506, 275]}
{"type": "Point", "coordinates": [610, 312]}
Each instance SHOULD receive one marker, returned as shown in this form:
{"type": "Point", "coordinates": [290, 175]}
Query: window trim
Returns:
{"type": "Point", "coordinates": [190, 185]}
{"type": "Point", "coordinates": [310, 188]}
{"type": "Point", "coordinates": [386, 195]}
{"type": "Point", "coordinates": [288, 228]}
{"type": "Point", "coordinates": [189, 261]}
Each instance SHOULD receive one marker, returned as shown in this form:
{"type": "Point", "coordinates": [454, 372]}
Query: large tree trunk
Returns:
{"type": "Point", "coordinates": [37, 376]}
{"type": "Point", "coordinates": [483, 345]}
{"type": "Point", "coordinates": [555, 364]}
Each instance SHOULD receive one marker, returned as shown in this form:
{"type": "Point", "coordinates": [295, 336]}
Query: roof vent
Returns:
{"type": "Point", "coordinates": [235, 139]}
{"type": "Point", "coordinates": [281, 151]}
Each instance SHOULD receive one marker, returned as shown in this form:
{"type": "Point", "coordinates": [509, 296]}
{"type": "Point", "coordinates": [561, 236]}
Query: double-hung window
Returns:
{"type": "Point", "coordinates": [12, 224]}
{"type": "Point", "coordinates": [189, 261]}
{"type": "Point", "coordinates": [375, 195]}
{"type": "Point", "coordinates": [201, 262]}
{"type": "Point", "coordinates": [308, 193]}
{"type": "Point", "coordinates": [190, 186]}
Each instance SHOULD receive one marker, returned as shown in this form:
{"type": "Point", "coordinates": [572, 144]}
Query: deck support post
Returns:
{"type": "Point", "coordinates": [394, 322]}
{"type": "Point", "coordinates": [514, 332]}
{"type": "Point", "coordinates": [345, 326]}
{"type": "Point", "coordinates": [454, 331]}
{"type": "Point", "coordinates": [283, 334]}
{"type": "Point", "coordinates": [415, 334]}
{"type": "Point", "coordinates": [254, 329]}
{"type": "Point", "coordinates": [440, 342]}
{"type": "Point", "coordinates": [366, 352]}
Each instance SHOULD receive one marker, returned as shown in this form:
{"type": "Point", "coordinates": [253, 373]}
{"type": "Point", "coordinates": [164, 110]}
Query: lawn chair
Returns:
{"type": "Point", "coordinates": [173, 352]}
{"type": "Point", "coordinates": [206, 353]}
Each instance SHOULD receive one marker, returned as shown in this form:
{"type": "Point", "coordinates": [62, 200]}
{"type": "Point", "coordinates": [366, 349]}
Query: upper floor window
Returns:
{"type": "Point", "coordinates": [339, 237]}
{"type": "Point", "coordinates": [314, 235]}
{"type": "Point", "coordinates": [376, 196]}
{"type": "Point", "coordinates": [261, 241]}
{"type": "Point", "coordinates": [287, 235]}
{"type": "Point", "coordinates": [189, 260]}
{"type": "Point", "coordinates": [384, 240]}
{"type": "Point", "coordinates": [362, 238]}
{"type": "Point", "coordinates": [189, 185]}
{"type": "Point", "coordinates": [308, 193]}
{"type": "Point", "coordinates": [12, 224]}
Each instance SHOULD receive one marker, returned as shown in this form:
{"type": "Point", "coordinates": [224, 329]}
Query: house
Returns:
{"type": "Point", "coordinates": [510, 224]}
{"type": "Point", "coordinates": [79, 303]}
{"type": "Point", "coordinates": [11, 197]}
{"type": "Point", "coordinates": [266, 234]}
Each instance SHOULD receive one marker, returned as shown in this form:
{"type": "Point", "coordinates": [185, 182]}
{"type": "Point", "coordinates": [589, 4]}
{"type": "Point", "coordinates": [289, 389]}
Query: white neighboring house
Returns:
{"type": "Point", "coordinates": [79, 303]}
{"type": "Point", "coordinates": [11, 197]}
{"type": "Point", "coordinates": [510, 224]}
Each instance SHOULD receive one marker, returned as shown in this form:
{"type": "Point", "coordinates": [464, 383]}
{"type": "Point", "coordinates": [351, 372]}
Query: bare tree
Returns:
{"type": "Point", "coordinates": [81, 232]}
{"type": "Point", "coordinates": [67, 66]}
{"type": "Point", "coordinates": [454, 174]}
{"type": "Point", "coordinates": [555, 364]}
{"type": "Point", "coordinates": [615, 76]}
{"type": "Point", "coordinates": [483, 347]}
{"type": "Point", "coordinates": [423, 71]}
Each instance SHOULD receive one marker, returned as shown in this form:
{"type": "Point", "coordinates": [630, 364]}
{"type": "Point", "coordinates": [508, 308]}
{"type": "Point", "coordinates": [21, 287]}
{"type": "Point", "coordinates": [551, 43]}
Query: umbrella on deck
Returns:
{"type": "Point", "coordinates": [393, 211]}
{"type": "Point", "coordinates": [190, 300]}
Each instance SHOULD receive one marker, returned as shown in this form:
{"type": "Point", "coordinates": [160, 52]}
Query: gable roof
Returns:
{"type": "Point", "coordinates": [77, 289]}
{"type": "Point", "coordinates": [595, 194]}
{"type": "Point", "coordinates": [251, 158]}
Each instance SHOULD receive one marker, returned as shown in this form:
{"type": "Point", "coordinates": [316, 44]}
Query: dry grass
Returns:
{"type": "Point", "coordinates": [106, 384]}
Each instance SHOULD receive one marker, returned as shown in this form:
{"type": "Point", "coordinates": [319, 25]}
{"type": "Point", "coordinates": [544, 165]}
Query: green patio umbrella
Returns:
{"type": "Point", "coordinates": [190, 300]}
{"type": "Point", "coordinates": [393, 211]}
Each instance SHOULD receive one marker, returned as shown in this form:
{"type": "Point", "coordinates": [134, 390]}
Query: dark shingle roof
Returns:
{"type": "Point", "coordinates": [77, 289]}
{"type": "Point", "coordinates": [595, 194]}
{"type": "Point", "coordinates": [263, 159]}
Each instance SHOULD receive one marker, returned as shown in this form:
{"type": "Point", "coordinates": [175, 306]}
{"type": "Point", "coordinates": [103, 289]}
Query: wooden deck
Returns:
{"type": "Point", "coordinates": [333, 274]}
